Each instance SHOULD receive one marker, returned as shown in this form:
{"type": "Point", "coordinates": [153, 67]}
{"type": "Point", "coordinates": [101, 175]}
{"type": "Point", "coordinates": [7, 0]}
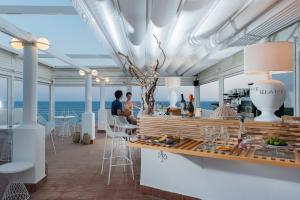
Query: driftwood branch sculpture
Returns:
{"type": "Point", "coordinates": [147, 81]}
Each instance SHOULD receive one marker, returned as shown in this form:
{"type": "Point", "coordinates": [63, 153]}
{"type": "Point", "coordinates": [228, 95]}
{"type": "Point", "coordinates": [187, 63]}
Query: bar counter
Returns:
{"type": "Point", "coordinates": [185, 169]}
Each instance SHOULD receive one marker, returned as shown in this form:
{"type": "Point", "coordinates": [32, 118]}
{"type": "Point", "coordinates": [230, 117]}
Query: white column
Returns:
{"type": "Point", "coordinates": [221, 91]}
{"type": "Point", "coordinates": [102, 112]}
{"type": "Point", "coordinates": [30, 85]}
{"type": "Point", "coordinates": [29, 137]}
{"type": "Point", "coordinates": [297, 80]}
{"type": "Point", "coordinates": [51, 102]}
{"type": "Point", "coordinates": [88, 118]}
{"type": "Point", "coordinates": [10, 100]}
{"type": "Point", "coordinates": [88, 93]}
{"type": "Point", "coordinates": [197, 96]}
{"type": "Point", "coordinates": [102, 96]}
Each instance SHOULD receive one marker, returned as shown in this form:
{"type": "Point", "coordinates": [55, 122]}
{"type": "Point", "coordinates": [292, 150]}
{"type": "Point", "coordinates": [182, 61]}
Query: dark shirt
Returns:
{"type": "Point", "coordinates": [115, 106]}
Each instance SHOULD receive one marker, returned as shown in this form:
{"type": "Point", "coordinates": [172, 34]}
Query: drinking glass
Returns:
{"type": "Point", "coordinates": [209, 137]}
{"type": "Point", "coordinates": [224, 135]}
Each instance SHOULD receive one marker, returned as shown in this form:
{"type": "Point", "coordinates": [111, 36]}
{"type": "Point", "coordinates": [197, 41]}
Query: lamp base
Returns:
{"type": "Point", "coordinates": [268, 96]}
{"type": "Point", "coordinates": [267, 116]}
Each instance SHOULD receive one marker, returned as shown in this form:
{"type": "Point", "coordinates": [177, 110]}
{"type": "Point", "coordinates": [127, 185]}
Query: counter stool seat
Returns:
{"type": "Point", "coordinates": [15, 190]}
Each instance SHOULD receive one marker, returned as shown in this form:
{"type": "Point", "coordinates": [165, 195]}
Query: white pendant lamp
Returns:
{"type": "Point", "coordinates": [271, 57]}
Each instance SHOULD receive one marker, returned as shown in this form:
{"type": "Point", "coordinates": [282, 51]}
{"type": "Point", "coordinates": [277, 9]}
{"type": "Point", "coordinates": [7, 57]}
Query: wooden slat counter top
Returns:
{"type": "Point", "coordinates": [189, 128]}
{"type": "Point", "coordinates": [247, 156]}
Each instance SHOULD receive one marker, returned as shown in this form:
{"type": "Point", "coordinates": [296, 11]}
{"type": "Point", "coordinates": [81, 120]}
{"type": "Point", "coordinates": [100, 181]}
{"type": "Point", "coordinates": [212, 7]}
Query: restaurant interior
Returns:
{"type": "Point", "coordinates": [149, 99]}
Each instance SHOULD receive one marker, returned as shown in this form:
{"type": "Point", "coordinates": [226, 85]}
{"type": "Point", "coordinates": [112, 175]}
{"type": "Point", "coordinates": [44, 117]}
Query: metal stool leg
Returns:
{"type": "Point", "coordinates": [131, 162]}
{"type": "Point", "coordinates": [110, 160]}
{"type": "Point", "coordinates": [104, 152]}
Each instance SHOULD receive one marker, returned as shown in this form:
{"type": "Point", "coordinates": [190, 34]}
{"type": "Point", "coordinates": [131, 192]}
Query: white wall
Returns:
{"type": "Point", "coordinates": [216, 179]}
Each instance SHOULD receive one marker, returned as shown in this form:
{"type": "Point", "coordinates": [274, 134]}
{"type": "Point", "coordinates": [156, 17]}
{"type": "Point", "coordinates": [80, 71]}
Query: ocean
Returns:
{"type": "Point", "coordinates": [77, 107]}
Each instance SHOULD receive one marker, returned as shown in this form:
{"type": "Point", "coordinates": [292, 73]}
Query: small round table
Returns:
{"type": "Point", "coordinates": [65, 124]}
{"type": "Point", "coordinates": [15, 189]}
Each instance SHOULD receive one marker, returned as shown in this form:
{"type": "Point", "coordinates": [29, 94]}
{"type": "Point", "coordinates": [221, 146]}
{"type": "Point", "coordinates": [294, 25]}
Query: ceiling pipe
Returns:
{"type": "Point", "coordinates": [133, 18]}
{"type": "Point", "coordinates": [217, 16]}
{"type": "Point", "coordinates": [210, 42]}
{"type": "Point", "coordinates": [220, 39]}
{"type": "Point", "coordinates": [162, 30]}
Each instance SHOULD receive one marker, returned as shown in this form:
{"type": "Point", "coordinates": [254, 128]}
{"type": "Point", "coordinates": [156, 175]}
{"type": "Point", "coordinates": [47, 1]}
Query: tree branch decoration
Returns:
{"type": "Point", "coordinates": [147, 79]}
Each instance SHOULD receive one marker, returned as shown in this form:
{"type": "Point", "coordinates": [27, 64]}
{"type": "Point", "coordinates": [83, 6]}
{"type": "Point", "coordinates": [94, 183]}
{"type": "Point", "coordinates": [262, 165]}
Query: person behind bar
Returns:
{"type": "Point", "coordinates": [116, 105]}
{"type": "Point", "coordinates": [128, 108]}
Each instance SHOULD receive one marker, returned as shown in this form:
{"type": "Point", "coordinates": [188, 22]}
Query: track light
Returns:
{"type": "Point", "coordinates": [81, 72]}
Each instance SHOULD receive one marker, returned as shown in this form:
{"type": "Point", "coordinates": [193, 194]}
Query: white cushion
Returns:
{"type": "Point", "coordinates": [15, 167]}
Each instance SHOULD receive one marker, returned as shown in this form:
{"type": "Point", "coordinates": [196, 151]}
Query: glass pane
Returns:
{"type": "Point", "coordinates": [69, 100]}
{"type": "Point", "coordinates": [43, 100]}
{"type": "Point", "coordinates": [287, 79]}
{"type": "Point", "coordinates": [209, 95]}
{"type": "Point", "coordinates": [3, 101]}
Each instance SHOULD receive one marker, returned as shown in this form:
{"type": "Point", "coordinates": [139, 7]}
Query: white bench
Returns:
{"type": "Point", "coordinates": [15, 190]}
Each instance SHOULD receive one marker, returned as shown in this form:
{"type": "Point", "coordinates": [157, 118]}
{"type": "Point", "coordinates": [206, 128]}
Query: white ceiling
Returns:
{"type": "Point", "coordinates": [195, 34]}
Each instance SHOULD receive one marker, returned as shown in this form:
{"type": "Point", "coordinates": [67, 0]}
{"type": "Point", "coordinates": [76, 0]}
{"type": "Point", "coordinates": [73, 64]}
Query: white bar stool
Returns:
{"type": "Point", "coordinates": [118, 140]}
{"type": "Point", "coordinates": [15, 189]}
{"type": "Point", "coordinates": [121, 123]}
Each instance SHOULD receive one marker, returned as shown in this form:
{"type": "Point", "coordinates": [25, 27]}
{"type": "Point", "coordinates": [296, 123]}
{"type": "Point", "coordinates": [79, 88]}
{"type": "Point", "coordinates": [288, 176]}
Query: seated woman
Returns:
{"type": "Point", "coordinates": [128, 108]}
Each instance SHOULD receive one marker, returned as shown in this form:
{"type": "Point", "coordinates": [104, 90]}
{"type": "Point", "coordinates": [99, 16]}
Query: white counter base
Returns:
{"type": "Point", "coordinates": [215, 179]}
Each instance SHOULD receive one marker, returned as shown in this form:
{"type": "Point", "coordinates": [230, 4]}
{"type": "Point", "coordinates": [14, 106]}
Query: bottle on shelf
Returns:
{"type": "Point", "coordinates": [190, 106]}
{"type": "Point", "coordinates": [183, 105]}
{"type": "Point", "coordinates": [242, 134]}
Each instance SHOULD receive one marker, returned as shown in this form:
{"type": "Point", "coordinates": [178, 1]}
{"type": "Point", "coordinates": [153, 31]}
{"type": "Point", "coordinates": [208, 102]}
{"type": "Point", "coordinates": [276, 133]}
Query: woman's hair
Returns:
{"type": "Point", "coordinates": [118, 94]}
{"type": "Point", "coordinates": [128, 93]}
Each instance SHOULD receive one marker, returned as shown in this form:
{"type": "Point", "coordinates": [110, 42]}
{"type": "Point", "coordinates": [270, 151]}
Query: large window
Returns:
{"type": "Point", "coordinates": [69, 100]}
{"type": "Point", "coordinates": [18, 93]}
{"type": "Point", "coordinates": [287, 79]}
{"type": "Point", "coordinates": [3, 101]}
{"type": "Point", "coordinates": [240, 81]}
{"type": "Point", "coordinates": [162, 94]}
{"type": "Point", "coordinates": [43, 100]}
{"type": "Point", "coordinates": [209, 95]}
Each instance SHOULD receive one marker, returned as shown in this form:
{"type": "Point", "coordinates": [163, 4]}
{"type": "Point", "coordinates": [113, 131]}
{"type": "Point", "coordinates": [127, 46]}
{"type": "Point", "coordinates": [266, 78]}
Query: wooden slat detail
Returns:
{"type": "Point", "coordinates": [191, 128]}
{"type": "Point", "coordinates": [244, 156]}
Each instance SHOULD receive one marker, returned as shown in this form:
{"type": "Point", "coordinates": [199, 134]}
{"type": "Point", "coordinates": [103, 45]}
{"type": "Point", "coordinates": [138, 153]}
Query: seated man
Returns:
{"type": "Point", "coordinates": [116, 106]}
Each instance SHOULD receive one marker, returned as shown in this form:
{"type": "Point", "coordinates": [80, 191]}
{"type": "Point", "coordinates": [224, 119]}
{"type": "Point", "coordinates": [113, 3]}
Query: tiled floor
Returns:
{"type": "Point", "coordinates": [74, 173]}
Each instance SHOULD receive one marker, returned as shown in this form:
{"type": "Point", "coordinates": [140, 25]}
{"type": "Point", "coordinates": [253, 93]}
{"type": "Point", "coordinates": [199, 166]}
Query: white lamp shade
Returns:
{"type": "Point", "coordinates": [94, 72]}
{"type": "Point", "coordinates": [81, 72]}
{"type": "Point", "coordinates": [268, 57]}
{"type": "Point", "coordinates": [16, 43]}
{"type": "Point", "coordinates": [172, 82]}
{"type": "Point", "coordinates": [43, 43]}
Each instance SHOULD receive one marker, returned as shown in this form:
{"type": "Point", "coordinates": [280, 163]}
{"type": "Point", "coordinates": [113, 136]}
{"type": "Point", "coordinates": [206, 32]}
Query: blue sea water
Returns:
{"type": "Point", "coordinates": [77, 107]}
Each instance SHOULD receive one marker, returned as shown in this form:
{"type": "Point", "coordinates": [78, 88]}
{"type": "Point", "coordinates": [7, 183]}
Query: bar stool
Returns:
{"type": "Point", "coordinates": [121, 124]}
{"type": "Point", "coordinates": [118, 140]}
{"type": "Point", "coordinates": [15, 190]}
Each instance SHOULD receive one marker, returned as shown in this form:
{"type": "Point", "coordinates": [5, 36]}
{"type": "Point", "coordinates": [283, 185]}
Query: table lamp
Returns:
{"type": "Point", "coordinates": [270, 57]}
{"type": "Point", "coordinates": [173, 83]}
